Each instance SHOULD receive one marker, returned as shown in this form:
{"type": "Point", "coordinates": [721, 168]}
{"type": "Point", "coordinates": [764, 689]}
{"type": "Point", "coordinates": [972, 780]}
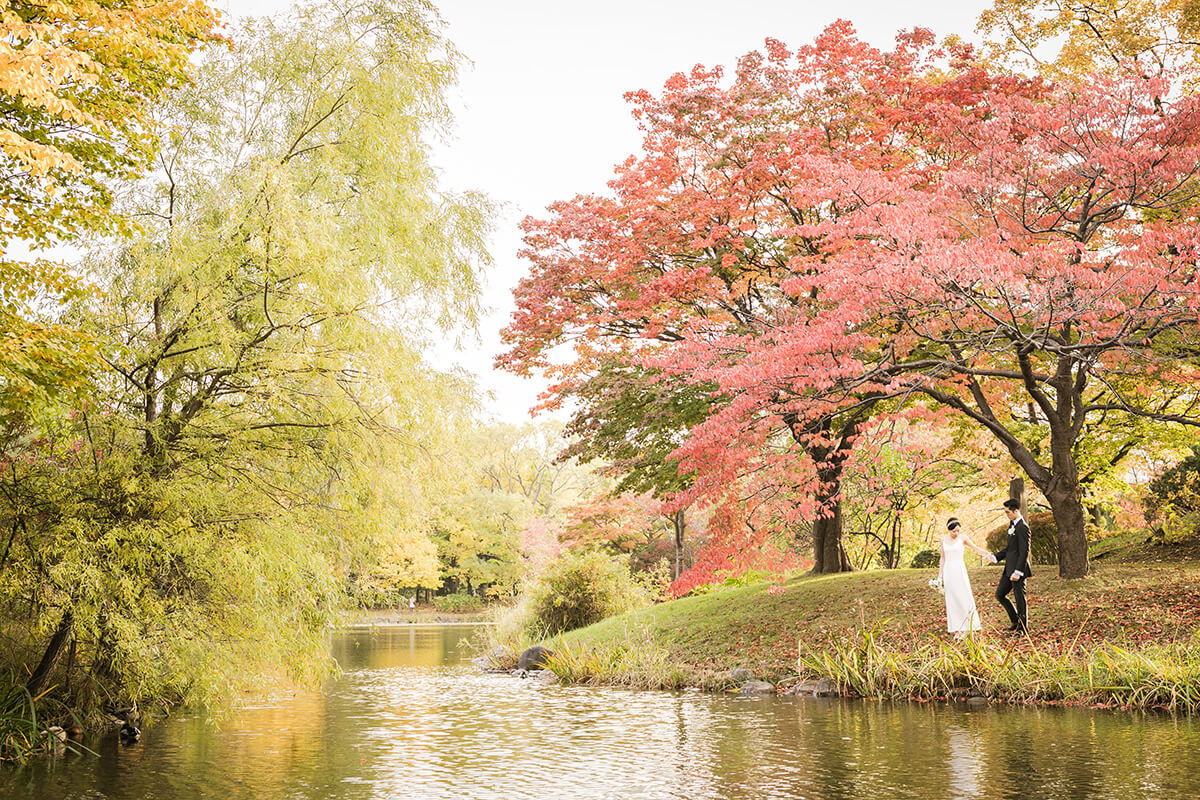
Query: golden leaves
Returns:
{"type": "Point", "coordinates": [72, 61]}
{"type": "Point", "coordinates": [1072, 39]}
{"type": "Point", "coordinates": [78, 82]}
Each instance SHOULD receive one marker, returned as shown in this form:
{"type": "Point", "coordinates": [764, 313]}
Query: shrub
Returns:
{"type": "Point", "coordinates": [457, 602]}
{"type": "Point", "coordinates": [1043, 538]}
{"type": "Point", "coordinates": [579, 588]}
{"type": "Point", "coordinates": [731, 581]}
{"type": "Point", "coordinates": [925, 559]}
{"type": "Point", "coordinates": [655, 581]}
{"type": "Point", "coordinates": [1172, 504]}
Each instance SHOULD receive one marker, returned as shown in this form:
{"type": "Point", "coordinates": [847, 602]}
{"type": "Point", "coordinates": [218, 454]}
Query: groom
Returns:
{"type": "Point", "coordinates": [1015, 556]}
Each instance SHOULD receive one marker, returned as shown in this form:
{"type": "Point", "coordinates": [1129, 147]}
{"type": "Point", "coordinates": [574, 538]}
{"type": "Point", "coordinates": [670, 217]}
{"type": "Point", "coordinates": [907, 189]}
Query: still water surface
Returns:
{"type": "Point", "coordinates": [412, 718]}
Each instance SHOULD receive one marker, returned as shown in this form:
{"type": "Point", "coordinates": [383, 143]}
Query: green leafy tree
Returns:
{"type": "Point", "coordinates": [478, 541]}
{"type": "Point", "coordinates": [503, 483]}
{"type": "Point", "coordinates": [1172, 504]}
{"type": "Point", "coordinates": [631, 419]}
{"type": "Point", "coordinates": [265, 418]}
{"type": "Point", "coordinates": [528, 460]}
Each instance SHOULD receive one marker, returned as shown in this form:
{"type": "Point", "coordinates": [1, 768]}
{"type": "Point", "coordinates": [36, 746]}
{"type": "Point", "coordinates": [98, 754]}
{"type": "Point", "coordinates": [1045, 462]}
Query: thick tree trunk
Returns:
{"type": "Point", "coordinates": [828, 554]}
{"type": "Point", "coordinates": [1065, 496]}
{"type": "Point", "coordinates": [1016, 491]}
{"type": "Point", "coordinates": [54, 650]}
{"type": "Point", "coordinates": [679, 522]}
{"type": "Point", "coordinates": [829, 457]}
{"type": "Point", "coordinates": [1070, 519]}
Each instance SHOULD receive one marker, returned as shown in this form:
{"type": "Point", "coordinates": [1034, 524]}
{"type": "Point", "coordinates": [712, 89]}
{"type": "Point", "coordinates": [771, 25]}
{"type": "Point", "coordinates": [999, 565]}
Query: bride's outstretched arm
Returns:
{"type": "Point", "coordinates": [985, 553]}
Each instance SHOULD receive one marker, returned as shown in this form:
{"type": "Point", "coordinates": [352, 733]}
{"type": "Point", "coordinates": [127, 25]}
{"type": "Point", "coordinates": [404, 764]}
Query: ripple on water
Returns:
{"type": "Point", "coordinates": [409, 720]}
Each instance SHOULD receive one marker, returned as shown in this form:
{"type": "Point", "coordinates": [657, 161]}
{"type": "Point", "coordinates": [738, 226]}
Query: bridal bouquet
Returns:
{"type": "Point", "coordinates": [936, 583]}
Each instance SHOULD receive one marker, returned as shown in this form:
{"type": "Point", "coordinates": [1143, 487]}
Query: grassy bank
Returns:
{"type": "Point", "coordinates": [1125, 635]}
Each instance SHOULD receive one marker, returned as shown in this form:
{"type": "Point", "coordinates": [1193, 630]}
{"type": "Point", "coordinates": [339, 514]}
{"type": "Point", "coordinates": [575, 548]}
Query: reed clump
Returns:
{"type": "Point", "coordinates": [1165, 676]}
{"type": "Point", "coordinates": [19, 736]}
{"type": "Point", "coordinates": [24, 730]}
{"type": "Point", "coordinates": [627, 664]}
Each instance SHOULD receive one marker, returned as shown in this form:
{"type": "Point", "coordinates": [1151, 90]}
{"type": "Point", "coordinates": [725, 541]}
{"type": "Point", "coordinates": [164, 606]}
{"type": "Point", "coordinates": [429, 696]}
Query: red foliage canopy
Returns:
{"type": "Point", "coordinates": [841, 229]}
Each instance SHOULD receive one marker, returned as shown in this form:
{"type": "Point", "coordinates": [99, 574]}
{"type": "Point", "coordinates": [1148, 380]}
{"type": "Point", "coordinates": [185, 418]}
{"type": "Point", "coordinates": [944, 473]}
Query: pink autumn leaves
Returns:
{"type": "Point", "coordinates": [840, 227]}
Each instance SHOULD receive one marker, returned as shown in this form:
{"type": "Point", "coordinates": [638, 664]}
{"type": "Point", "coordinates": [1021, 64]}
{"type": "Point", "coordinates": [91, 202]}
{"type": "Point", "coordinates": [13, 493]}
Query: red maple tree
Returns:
{"type": "Point", "coordinates": [685, 267]}
{"type": "Point", "coordinates": [840, 232]}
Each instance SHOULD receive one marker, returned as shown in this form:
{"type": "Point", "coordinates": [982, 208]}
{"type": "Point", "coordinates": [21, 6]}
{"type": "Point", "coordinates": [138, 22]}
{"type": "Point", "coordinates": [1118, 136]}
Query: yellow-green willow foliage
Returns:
{"type": "Point", "coordinates": [266, 420]}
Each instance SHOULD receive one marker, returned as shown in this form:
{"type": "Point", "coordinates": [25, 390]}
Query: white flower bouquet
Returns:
{"type": "Point", "coordinates": [936, 583]}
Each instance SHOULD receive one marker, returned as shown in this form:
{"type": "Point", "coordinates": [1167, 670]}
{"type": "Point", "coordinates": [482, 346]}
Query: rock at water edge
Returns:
{"type": "Point", "coordinates": [757, 687]}
{"type": "Point", "coordinates": [534, 658]}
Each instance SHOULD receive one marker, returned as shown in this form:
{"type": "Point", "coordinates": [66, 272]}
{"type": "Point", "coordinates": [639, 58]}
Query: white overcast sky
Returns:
{"type": "Point", "coordinates": [540, 116]}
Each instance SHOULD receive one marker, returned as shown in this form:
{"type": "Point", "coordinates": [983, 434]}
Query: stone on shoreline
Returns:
{"type": "Point", "coordinates": [821, 687]}
{"type": "Point", "coordinates": [487, 665]}
{"type": "Point", "coordinates": [533, 658]}
{"type": "Point", "coordinates": [757, 687]}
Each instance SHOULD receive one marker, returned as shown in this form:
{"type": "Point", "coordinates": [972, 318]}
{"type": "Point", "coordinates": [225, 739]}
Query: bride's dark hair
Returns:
{"type": "Point", "coordinates": [952, 523]}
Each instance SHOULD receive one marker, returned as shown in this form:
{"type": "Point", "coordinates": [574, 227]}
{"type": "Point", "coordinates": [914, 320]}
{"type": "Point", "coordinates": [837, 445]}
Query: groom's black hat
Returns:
{"type": "Point", "coordinates": [1012, 505]}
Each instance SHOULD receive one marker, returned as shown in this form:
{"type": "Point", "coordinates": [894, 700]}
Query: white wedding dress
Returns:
{"type": "Point", "coordinates": [961, 616]}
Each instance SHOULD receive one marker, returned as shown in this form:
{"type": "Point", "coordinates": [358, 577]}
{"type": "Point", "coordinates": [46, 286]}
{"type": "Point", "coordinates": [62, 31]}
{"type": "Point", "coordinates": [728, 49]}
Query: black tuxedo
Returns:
{"type": "Point", "coordinates": [1015, 556]}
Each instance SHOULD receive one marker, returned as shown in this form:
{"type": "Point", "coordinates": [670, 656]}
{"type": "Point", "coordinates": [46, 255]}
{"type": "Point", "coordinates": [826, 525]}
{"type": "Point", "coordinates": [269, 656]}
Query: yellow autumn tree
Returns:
{"type": "Point", "coordinates": [1073, 38]}
{"type": "Point", "coordinates": [79, 81]}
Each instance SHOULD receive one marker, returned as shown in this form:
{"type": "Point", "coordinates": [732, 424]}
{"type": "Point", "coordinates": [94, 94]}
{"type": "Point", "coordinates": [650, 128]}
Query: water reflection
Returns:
{"type": "Point", "coordinates": [411, 718]}
{"type": "Point", "coordinates": [964, 756]}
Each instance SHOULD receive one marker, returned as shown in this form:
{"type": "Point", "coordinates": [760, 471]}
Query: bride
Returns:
{"type": "Point", "coordinates": [961, 616]}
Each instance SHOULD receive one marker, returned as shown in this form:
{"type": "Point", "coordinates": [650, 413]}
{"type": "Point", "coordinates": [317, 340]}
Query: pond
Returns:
{"type": "Point", "coordinates": [411, 717]}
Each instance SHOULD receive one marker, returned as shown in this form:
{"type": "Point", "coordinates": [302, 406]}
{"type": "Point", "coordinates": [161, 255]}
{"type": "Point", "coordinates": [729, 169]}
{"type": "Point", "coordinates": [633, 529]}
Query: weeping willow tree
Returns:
{"type": "Point", "coordinates": [265, 420]}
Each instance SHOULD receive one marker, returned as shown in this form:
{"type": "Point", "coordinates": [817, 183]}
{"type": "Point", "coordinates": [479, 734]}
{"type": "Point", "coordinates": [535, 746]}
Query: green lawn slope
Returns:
{"type": "Point", "coordinates": [1138, 596]}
